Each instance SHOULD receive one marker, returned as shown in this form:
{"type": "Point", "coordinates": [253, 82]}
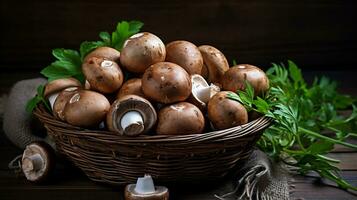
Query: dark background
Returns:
{"type": "Point", "coordinates": [316, 34]}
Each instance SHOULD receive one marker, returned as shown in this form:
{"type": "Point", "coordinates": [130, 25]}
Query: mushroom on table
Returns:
{"type": "Point", "coordinates": [38, 162]}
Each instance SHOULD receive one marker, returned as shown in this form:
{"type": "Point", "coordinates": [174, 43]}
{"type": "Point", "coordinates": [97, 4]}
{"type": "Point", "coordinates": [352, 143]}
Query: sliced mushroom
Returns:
{"type": "Point", "coordinates": [166, 82]}
{"type": "Point", "coordinates": [38, 161]}
{"type": "Point", "coordinates": [142, 50]}
{"type": "Point", "coordinates": [226, 113]}
{"type": "Point", "coordinates": [145, 189]}
{"type": "Point", "coordinates": [131, 115]}
{"type": "Point", "coordinates": [180, 119]}
{"type": "Point", "coordinates": [63, 97]}
{"type": "Point", "coordinates": [86, 109]}
{"type": "Point", "coordinates": [104, 52]}
{"type": "Point", "coordinates": [201, 91]}
{"type": "Point", "coordinates": [185, 54]}
{"type": "Point", "coordinates": [103, 75]}
{"type": "Point", "coordinates": [215, 61]}
{"type": "Point", "coordinates": [131, 86]}
{"type": "Point", "coordinates": [53, 88]}
{"type": "Point", "coordinates": [235, 79]}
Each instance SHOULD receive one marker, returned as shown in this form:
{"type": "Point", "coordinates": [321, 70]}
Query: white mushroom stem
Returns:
{"type": "Point", "coordinates": [145, 185]}
{"type": "Point", "coordinates": [130, 120]}
{"type": "Point", "coordinates": [32, 163]}
{"type": "Point", "coordinates": [52, 98]}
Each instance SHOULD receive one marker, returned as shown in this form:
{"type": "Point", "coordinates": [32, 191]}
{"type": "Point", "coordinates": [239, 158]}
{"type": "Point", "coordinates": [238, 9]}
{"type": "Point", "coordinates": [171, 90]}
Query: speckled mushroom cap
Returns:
{"type": "Point", "coordinates": [131, 86]}
{"type": "Point", "coordinates": [60, 84]}
{"type": "Point", "coordinates": [215, 61]}
{"type": "Point", "coordinates": [104, 52]}
{"type": "Point", "coordinates": [142, 50]}
{"type": "Point", "coordinates": [131, 103]}
{"type": "Point", "coordinates": [185, 54]}
{"type": "Point", "coordinates": [166, 83]}
{"type": "Point", "coordinates": [63, 97]}
{"type": "Point", "coordinates": [103, 75]}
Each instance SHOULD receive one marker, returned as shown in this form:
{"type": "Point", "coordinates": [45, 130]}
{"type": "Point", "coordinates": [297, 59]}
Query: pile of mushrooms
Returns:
{"type": "Point", "coordinates": [174, 89]}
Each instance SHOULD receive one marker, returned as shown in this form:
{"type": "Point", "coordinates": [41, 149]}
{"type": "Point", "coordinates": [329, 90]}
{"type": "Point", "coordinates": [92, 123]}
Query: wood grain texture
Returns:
{"type": "Point", "coordinates": [318, 34]}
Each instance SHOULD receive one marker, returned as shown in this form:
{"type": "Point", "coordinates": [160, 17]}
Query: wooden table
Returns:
{"type": "Point", "coordinates": [71, 183]}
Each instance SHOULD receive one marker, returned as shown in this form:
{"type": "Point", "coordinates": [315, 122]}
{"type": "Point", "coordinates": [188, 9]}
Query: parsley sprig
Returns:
{"type": "Point", "coordinates": [68, 62]}
{"type": "Point", "coordinates": [301, 113]}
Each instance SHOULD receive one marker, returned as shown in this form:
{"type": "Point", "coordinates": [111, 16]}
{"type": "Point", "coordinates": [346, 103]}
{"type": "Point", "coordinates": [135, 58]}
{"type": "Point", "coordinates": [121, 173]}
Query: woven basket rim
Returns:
{"type": "Point", "coordinates": [262, 122]}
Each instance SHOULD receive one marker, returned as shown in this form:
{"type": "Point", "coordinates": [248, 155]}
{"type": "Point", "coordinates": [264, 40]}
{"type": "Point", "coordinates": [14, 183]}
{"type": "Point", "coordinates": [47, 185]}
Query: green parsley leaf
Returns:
{"type": "Point", "coordinates": [301, 114]}
{"type": "Point", "coordinates": [69, 64]}
{"type": "Point", "coordinates": [86, 47]}
{"type": "Point", "coordinates": [123, 31]}
{"type": "Point", "coordinates": [38, 98]}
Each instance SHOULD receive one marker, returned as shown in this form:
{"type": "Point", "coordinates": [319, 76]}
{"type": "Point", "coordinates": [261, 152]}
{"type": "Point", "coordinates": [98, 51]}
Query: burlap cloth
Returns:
{"type": "Point", "coordinates": [259, 178]}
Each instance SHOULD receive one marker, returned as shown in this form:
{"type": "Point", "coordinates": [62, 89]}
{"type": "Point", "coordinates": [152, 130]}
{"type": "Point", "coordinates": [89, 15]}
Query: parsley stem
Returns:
{"type": "Point", "coordinates": [327, 138]}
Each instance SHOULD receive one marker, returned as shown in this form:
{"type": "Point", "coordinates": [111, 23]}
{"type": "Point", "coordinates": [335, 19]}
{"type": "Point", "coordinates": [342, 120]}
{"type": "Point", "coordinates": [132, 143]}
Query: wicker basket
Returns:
{"type": "Point", "coordinates": [110, 158]}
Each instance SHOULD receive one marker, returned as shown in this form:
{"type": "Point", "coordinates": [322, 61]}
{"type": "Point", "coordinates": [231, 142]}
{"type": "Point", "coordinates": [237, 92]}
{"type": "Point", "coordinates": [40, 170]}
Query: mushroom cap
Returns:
{"type": "Point", "coordinates": [61, 101]}
{"type": "Point", "coordinates": [226, 113]}
{"type": "Point", "coordinates": [60, 84]}
{"type": "Point", "coordinates": [131, 86]}
{"type": "Point", "coordinates": [142, 50]}
{"type": "Point", "coordinates": [215, 62]}
{"type": "Point", "coordinates": [185, 54]}
{"type": "Point", "coordinates": [180, 119]}
{"type": "Point", "coordinates": [128, 103]}
{"type": "Point", "coordinates": [166, 82]}
{"type": "Point", "coordinates": [107, 53]}
{"type": "Point", "coordinates": [161, 193]}
{"type": "Point", "coordinates": [201, 91]}
{"type": "Point", "coordinates": [234, 79]}
{"type": "Point", "coordinates": [86, 109]}
{"type": "Point", "coordinates": [38, 161]}
{"type": "Point", "coordinates": [103, 75]}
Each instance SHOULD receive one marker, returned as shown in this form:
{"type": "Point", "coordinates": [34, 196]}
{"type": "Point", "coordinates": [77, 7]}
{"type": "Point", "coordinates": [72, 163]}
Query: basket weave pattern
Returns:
{"type": "Point", "coordinates": [111, 158]}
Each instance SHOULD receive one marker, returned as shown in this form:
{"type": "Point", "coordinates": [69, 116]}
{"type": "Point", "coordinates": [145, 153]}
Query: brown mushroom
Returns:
{"type": "Point", "coordinates": [103, 75]}
{"type": "Point", "coordinates": [166, 82]}
{"type": "Point", "coordinates": [63, 97]}
{"type": "Point", "coordinates": [38, 162]}
{"type": "Point", "coordinates": [180, 119]}
{"type": "Point", "coordinates": [185, 54]}
{"type": "Point", "coordinates": [215, 61]}
{"type": "Point", "coordinates": [131, 86]}
{"type": "Point", "coordinates": [145, 189]}
{"type": "Point", "coordinates": [107, 53]}
{"type": "Point", "coordinates": [86, 109]}
{"type": "Point", "coordinates": [226, 113]}
{"type": "Point", "coordinates": [131, 115]}
{"type": "Point", "coordinates": [235, 79]}
{"type": "Point", "coordinates": [53, 88]}
{"type": "Point", "coordinates": [201, 91]}
{"type": "Point", "coordinates": [142, 50]}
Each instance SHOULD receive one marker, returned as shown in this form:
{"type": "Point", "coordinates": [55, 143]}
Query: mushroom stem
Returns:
{"type": "Point", "coordinates": [32, 163]}
{"type": "Point", "coordinates": [145, 185]}
{"type": "Point", "coordinates": [132, 123]}
{"type": "Point", "coordinates": [52, 98]}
